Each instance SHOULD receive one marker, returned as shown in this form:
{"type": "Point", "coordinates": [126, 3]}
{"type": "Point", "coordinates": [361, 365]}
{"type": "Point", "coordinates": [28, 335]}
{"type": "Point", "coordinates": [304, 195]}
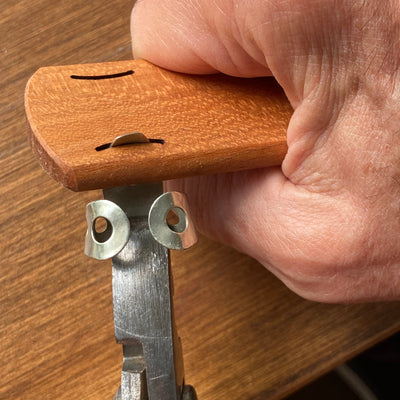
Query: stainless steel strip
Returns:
{"type": "Point", "coordinates": [143, 314]}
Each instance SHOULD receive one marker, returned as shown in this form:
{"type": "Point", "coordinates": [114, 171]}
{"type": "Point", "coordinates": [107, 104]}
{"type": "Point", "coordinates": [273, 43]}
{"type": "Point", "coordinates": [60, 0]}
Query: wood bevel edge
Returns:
{"type": "Point", "coordinates": [274, 153]}
{"type": "Point", "coordinates": [48, 160]}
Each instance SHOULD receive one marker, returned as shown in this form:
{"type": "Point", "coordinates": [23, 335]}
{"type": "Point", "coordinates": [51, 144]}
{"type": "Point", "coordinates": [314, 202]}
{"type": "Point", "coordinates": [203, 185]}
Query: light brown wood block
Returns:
{"type": "Point", "coordinates": [209, 124]}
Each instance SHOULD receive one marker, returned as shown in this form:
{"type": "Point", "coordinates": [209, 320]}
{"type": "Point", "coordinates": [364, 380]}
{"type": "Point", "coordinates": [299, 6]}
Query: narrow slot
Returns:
{"type": "Point", "coordinates": [98, 77]}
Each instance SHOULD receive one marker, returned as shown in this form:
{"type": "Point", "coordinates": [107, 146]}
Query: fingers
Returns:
{"type": "Point", "coordinates": [232, 208]}
{"type": "Point", "coordinates": [197, 37]}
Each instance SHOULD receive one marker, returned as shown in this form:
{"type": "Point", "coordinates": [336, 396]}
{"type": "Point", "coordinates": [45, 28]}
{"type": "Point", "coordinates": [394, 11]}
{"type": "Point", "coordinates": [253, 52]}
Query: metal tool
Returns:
{"type": "Point", "coordinates": [137, 236]}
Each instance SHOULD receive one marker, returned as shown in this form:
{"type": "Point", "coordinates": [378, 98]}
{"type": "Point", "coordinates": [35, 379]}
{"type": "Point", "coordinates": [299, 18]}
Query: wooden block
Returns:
{"type": "Point", "coordinates": [209, 124]}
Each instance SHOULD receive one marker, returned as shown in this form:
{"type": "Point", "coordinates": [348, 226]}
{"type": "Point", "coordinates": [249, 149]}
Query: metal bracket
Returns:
{"type": "Point", "coordinates": [136, 236]}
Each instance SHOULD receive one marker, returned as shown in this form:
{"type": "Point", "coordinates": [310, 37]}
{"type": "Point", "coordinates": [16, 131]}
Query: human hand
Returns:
{"type": "Point", "coordinates": [327, 223]}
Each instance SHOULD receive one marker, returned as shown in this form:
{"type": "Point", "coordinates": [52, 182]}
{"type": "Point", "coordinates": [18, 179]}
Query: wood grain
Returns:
{"type": "Point", "coordinates": [244, 335]}
{"type": "Point", "coordinates": [209, 124]}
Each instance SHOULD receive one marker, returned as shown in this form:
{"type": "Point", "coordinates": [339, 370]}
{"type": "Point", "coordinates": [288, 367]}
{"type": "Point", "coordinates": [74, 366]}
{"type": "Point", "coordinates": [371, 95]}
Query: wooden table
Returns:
{"type": "Point", "coordinates": [244, 335]}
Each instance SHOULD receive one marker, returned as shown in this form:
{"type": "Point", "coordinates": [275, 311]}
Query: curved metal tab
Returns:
{"type": "Point", "coordinates": [106, 244]}
{"type": "Point", "coordinates": [129, 138]}
{"type": "Point", "coordinates": [179, 236]}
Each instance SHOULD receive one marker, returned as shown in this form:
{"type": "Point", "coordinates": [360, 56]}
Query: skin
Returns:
{"type": "Point", "coordinates": [327, 223]}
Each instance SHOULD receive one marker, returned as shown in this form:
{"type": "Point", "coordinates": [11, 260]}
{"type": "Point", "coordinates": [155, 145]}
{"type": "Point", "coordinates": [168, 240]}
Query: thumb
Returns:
{"type": "Point", "coordinates": [199, 37]}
